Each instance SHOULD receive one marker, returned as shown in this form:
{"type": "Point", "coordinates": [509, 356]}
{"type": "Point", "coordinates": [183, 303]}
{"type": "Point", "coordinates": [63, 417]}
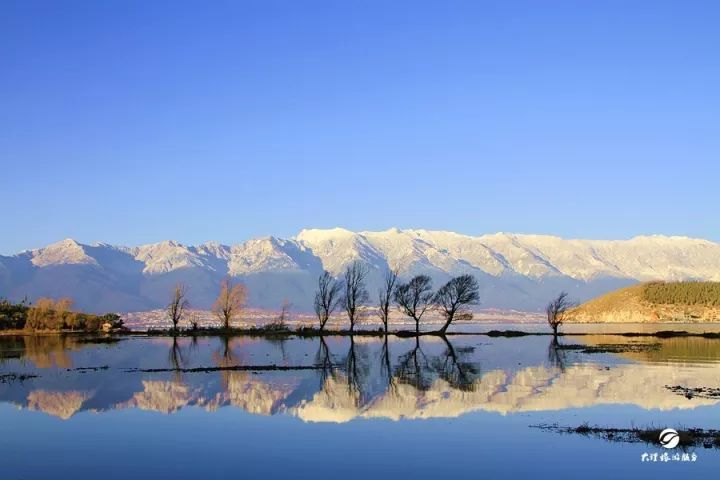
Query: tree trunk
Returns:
{"type": "Point", "coordinates": [445, 327]}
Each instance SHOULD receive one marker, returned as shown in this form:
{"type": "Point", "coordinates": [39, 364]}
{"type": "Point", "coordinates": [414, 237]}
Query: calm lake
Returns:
{"type": "Point", "coordinates": [465, 407]}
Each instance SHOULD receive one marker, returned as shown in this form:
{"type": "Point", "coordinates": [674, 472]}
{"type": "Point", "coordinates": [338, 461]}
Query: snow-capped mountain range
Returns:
{"type": "Point", "coordinates": [514, 271]}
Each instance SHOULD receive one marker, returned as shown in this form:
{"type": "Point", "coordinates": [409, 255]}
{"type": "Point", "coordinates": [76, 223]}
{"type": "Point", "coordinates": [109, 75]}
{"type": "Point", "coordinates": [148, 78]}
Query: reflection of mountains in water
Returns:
{"type": "Point", "coordinates": [357, 379]}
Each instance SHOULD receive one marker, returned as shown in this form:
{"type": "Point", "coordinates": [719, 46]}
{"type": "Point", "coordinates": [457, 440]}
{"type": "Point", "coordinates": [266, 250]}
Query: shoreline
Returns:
{"type": "Point", "coordinates": [314, 332]}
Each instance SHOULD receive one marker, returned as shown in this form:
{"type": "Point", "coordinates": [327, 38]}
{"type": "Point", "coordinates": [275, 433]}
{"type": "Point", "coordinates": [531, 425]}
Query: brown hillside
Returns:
{"type": "Point", "coordinates": [630, 305]}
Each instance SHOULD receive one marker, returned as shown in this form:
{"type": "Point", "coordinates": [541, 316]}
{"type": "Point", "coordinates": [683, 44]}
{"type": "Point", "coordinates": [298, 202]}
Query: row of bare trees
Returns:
{"type": "Point", "coordinates": [414, 298]}
{"type": "Point", "coordinates": [227, 306]}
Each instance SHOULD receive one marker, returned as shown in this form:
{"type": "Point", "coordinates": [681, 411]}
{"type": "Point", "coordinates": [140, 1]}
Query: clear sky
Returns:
{"type": "Point", "coordinates": [133, 122]}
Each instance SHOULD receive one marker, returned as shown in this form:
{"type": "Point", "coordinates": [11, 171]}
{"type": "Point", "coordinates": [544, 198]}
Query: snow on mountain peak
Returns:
{"type": "Point", "coordinates": [64, 252]}
{"type": "Point", "coordinates": [318, 234]}
{"type": "Point", "coordinates": [515, 270]}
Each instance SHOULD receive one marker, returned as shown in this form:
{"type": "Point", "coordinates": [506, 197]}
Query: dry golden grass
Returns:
{"type": "Point", "coordinates": [629, 305]}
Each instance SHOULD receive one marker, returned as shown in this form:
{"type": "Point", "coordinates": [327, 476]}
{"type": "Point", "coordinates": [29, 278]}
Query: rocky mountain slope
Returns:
{"type": "Point", "coordinates": [514, 271]}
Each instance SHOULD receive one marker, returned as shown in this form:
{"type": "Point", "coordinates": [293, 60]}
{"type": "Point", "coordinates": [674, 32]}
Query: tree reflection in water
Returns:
{"type": "Point", "coordinates": [224, 357]}
{"type": "Point", "coordinates": [323, 359]}
{"type": "Point", "coordinates": [414, 368]}
{"type": "Point", "coordinates": [177, 359]}
{"type": "Point", "coordinates": [372, 376]}
{"type": "Point", "coordinates": [557, 355]}
{"type": "Point", "coordinates": [455, 369]}
{"type": "Point", "coordinates": [363, 373]}
{"type": "Point", "coordinates": [357, 370]}
{"type": "Point", "coordinates": [386, 368]}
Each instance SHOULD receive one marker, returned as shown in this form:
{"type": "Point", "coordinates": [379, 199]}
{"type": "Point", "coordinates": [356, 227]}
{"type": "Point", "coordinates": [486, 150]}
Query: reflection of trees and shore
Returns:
{"type": "Point", "coordinates": [341, 378]}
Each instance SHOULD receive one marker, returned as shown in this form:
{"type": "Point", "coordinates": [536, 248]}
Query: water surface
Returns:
{"type": "Point", "coordinates": [154, 407]}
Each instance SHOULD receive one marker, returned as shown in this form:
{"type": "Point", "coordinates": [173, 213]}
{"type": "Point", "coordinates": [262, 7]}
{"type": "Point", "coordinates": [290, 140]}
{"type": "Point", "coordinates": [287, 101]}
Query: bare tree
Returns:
{"type": "Point", "coordinates": [556, 312]}
{"type": "Point", "coordinates": [194, 323]}
{"type": "Point", "coordinates": [415, 297]}
{"type": "Point", "coordinates": [385, 297]}
{"type": "Point", "coordinates": [230, 301]}
{"type": "Point", "coordinates": [327, 297]}
{"type": "Point", "coordinates": [284, 312]}
{"type": "Point", "coordinates": [355, 292]}
{"type": "Point", "coordinates": [455, 296]}
{"type": "Point", "coordinates": [65, 317]}
{"type": "Point", "coordinates": [63, 306]}
{"type": "Point", "coordinates": [177, 306]}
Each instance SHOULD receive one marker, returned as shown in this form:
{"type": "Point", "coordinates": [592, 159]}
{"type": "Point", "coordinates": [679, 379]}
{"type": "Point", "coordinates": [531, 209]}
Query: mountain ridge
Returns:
{"type": "Point", "coordinates": [518, 271]}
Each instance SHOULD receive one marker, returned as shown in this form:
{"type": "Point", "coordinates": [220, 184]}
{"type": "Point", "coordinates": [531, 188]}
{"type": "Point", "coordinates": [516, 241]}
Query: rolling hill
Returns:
{"type": "Point", "coordinates": [653, 302]}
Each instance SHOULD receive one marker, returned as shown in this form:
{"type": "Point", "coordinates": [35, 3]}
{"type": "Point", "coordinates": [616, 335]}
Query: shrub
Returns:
{"type": "Point", "coordinates": [49, 314]}
{"type": "Point", "coordinates": [12, 315]}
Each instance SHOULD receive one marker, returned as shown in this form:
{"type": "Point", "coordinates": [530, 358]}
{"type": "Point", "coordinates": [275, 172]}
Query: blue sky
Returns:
{"type": "Point", "coordinates": [133, 122]}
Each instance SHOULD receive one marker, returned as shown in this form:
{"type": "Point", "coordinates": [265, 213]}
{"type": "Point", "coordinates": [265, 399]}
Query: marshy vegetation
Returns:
{"type": "Point", "coordinates": [15, 377]}
{"type": "Point", "coordinates": [690, 437]}
{"type": "Point", "coordinates": [695, 392]}
{"type": "Point", "coordinates": [610, 347]}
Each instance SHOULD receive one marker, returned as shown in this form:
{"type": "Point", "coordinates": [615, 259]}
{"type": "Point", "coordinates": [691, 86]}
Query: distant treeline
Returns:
{"type": "Point", "coordinates": [683, 293]}
{"type": "Point", "coordinates": [56, 315]}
